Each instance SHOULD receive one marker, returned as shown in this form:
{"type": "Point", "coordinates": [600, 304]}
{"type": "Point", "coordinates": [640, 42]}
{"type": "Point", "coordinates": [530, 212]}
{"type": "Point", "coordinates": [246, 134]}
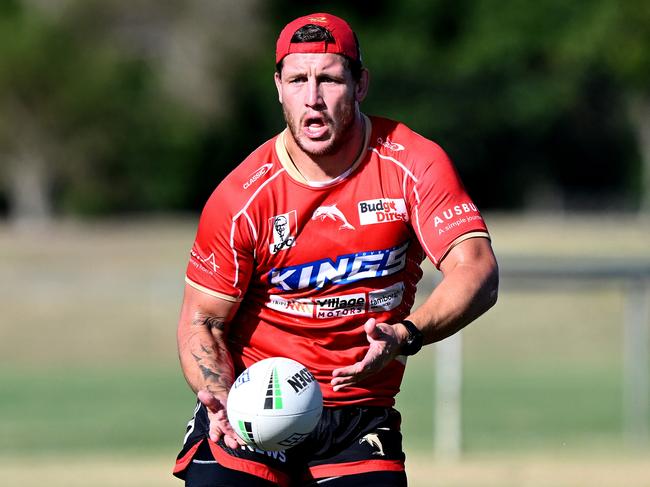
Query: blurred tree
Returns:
{"type": "Point", "coordinates": [519, 93]}
{"type": "Point", "coordinates": [83, 125]}
{"type": "Point", "coordinates": [625, 47]}
{"type": "Point", "coordinates": [547, 102]}
{"type": "Point", "coordinates": [564, 72]}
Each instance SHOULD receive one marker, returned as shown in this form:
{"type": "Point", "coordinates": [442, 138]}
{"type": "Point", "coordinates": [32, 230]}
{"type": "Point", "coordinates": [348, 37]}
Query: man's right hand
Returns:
{"type": "Point", "coordinates": [218, 416]}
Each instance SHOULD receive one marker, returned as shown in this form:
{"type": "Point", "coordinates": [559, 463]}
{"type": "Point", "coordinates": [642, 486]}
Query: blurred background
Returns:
{"type": "Point", "coordinates": [118, 119]}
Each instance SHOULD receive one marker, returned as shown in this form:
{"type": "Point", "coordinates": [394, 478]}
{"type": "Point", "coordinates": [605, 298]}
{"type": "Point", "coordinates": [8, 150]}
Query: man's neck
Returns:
{"type": "Point", "coordinates": [328, 167]}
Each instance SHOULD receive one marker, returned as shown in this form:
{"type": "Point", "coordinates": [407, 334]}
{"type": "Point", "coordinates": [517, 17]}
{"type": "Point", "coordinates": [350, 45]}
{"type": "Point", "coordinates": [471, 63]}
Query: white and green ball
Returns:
{"type": "Point", "coordinates": [274, 404]}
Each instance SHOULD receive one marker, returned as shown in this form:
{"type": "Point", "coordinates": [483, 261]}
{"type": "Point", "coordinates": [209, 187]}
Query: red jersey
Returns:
{"type": "Point", "coordinates": [312, 262]}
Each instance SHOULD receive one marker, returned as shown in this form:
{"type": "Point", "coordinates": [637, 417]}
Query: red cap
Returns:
{"type": "Point", "coordinates": [345, 42]}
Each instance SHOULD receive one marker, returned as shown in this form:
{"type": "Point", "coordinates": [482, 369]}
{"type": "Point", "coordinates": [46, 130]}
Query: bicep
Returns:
{"type": "Point", "coordinates": [201, 310]}
{"type": "Point", "coordinates": [473, 253]}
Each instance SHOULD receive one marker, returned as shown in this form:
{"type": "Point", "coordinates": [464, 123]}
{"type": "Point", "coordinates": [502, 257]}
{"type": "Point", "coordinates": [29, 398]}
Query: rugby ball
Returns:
{"type": "Point", "coordinates": [274, 404]}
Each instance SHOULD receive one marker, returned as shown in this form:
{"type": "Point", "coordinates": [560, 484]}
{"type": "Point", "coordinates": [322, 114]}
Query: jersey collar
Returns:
{"type": "Point", "coordinates": [292, 170]}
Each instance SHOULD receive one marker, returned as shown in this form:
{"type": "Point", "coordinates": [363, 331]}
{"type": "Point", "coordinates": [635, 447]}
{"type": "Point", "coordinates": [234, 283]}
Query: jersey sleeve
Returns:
{"type": "Point", "coordinates": [442, 212]}
{"type": "Point", "coordinates": [221, 259]}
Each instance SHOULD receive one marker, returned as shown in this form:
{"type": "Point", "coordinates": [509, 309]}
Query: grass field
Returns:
{"type": "Point", "coordinates": [91, 394]}
{"type": "Point", "coordinates": [492, 471]}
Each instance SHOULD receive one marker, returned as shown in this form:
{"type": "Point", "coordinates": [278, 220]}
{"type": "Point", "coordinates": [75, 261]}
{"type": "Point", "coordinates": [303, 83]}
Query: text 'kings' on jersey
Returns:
{"type": "Point", "coordinates": [313, 263]}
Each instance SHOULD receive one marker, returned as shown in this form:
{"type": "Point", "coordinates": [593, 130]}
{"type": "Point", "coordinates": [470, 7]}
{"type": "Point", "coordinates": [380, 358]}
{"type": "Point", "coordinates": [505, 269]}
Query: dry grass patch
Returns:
{"type": "Point", "coordinates": [498, 471]}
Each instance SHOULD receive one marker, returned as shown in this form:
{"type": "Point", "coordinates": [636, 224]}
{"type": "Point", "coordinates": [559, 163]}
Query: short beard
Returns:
{"type": "Point", "coordinates": [342, 132]}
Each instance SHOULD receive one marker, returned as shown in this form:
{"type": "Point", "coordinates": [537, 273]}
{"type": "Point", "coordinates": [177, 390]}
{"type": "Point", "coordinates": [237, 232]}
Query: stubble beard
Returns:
{"type": "Point", "coordinates": [341, 132]}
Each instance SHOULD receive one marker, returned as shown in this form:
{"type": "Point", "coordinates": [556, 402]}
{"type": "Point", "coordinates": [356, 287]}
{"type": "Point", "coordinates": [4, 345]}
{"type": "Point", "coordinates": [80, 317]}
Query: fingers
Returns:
{"type": "Point", "coordinates": [346, 376]}
{"type": "Point", "coordinates": [210, 401]}
{"type": "Point", "coordinates": [232, 442]}
{"type": "Point", "coordinates": [354, 369]}
{"type": "Point", "coordinates": [341, 382]}
{"type": "Point", "coordinates": [216, 413]}
{"type": "Point", "coordinates": [370, 327]}
{"type": "Point", "coordinates": [378, 355]}
{"type": "Point", "coordinates": [219, 425]}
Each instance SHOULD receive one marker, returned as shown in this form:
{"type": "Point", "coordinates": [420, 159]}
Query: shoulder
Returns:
{"type": "Point", "coordinates": [394, 140]}
{"type": "Point", "coordinates": [243, 183]}
{"type": "Point", "coordinates": [391, 135]}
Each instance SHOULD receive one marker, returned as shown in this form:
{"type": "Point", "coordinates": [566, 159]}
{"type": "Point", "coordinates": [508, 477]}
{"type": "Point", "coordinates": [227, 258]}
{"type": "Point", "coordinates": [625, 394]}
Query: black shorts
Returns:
{"type": "Point", "coordinates": [357, 445]}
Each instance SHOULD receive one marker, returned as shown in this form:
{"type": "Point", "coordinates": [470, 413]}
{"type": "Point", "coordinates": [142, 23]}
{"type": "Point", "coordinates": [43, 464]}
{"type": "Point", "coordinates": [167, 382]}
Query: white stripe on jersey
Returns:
{"type": "Point", "coordinates": [254, 230]}
{"type": "Point", "coordinates": [392, 159]}
{"type": "Point", "coordinates": [417, 198]}
{"type": "Point", "coordinates": [209, 291]}
{"type": "Point", "coordinates": [241, 212]}
{"type": "Point", "coordinates": [234, 256]}
{"type": "Point", "coordinates": [257, 191]}
{"type": "Point", "coordinates": [250, 223]}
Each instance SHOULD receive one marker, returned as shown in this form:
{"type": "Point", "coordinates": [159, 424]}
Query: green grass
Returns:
{"type": "Point", "coordinates": [85, 410]}
{"type": "Point", "coordinates": [530, 408]}
{"type": "Point", "coordinates": [145, 409]}
{"type": "Point", "coordinates": [85, 307]}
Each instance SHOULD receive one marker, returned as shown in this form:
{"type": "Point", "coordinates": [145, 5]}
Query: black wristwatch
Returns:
{"type": "Point", "coordinates": [413, 343]}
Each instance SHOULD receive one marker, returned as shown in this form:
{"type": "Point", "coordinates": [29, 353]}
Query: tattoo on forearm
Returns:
{"type": "Point", "coordinates": [212, 358]}
{"type": "Point", "coordinates": [210, 375]}
{"type": "Point", "coordinates": [210, 322]}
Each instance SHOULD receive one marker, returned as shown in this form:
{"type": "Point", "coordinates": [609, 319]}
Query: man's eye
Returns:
{"type": "Point", "coordinates": [299, 79]}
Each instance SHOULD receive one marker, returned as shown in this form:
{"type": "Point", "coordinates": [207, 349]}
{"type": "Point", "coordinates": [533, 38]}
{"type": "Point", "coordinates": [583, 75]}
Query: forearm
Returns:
{"type": "Point", "coordinates": [456, 302]}
{"type": "Point", "coordinates": [469, 288]}
{"type": "Point", "coordinates": [204, 357]}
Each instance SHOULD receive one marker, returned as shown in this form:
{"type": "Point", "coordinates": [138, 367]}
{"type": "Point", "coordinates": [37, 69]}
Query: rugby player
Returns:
{"type": "Point", "coordinates": [311, 248]}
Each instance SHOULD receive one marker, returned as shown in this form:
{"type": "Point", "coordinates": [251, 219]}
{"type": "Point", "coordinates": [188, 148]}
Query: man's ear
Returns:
{"type": "Point", "coordinates": [278, 85]}
{"type": "Point", "coordinates": [362, 85]}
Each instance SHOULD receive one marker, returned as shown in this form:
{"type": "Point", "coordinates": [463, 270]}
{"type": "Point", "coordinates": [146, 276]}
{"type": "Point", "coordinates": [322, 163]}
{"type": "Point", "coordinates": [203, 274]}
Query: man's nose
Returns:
{"type": "Point", "coordinates": [314, 98]}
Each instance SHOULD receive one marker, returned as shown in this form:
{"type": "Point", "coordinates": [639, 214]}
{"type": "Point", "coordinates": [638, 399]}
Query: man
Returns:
{"type": "Point", "coordinates": [311, 249]}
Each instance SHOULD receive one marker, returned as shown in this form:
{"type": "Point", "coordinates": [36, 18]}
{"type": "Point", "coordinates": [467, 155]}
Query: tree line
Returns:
{"type": "Point", "coordinates": [110, 107]}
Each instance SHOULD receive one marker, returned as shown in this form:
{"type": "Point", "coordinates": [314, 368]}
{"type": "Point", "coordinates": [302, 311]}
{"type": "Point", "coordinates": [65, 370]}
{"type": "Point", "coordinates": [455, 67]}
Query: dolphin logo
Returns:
{"type": "Point", "coordinates": [333, 213]}
{"type": "Point", "coordinates": [373, 440]}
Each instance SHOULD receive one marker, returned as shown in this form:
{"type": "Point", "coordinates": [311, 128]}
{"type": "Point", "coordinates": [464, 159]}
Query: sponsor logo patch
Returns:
{"type": "Point", "coordinates": [283, 230]}
{"type": "Point", "coordinates": [389, 144]}
{"type": "Point", "coordinates": [296, 307]}
{"type": "Point", "coordinates": [207, 264]}
{"type": "Point", "coordinates": [450, 213]}
{"type": "Point", "coordinates": [336, 306]}
{"type": "Point", "coordinates": [382, 210]}
{"type": "Point", "coordinates": [373, 440]}
{"type": "Point", "coordinates": [343, 270]}
{"type": "Point", "coordinates": [257, 174]}
{"type": "Point", "coordinates": [456, 216]}
{"type": "Point", "coordinates": [327, 307]}
{"type": "Point", "coordinates": [332, 213]}
{"type": "Point", "coordinates": [386, 299]}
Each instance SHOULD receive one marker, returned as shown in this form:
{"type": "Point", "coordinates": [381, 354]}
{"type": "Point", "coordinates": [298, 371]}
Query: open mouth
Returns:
{"type": "Point", "coordinates": [315, 127]}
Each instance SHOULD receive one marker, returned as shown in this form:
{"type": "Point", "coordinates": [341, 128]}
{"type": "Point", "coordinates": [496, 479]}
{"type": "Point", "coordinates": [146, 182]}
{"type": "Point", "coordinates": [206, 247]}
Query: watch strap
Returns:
{"type": "Point", "coordinates": [414, 341]}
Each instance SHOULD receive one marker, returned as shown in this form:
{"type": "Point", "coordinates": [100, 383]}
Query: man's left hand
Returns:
{"type": "Point", "coordinates": [384, 347]}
